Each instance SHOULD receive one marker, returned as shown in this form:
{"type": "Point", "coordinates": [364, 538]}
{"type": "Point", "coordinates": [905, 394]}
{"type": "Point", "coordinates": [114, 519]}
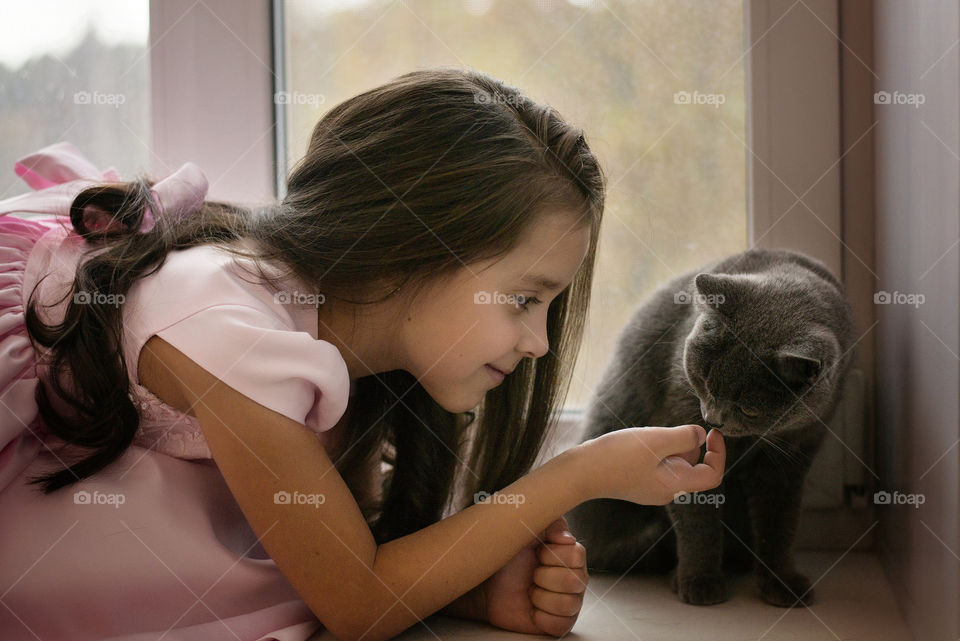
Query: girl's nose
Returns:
{"type": "Point", "coordinates": [534, 343]}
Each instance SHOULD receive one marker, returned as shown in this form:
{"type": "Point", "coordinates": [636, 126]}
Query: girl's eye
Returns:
{"type": "Point", "coordinates": [749, 411]}
{"type": "Point", "coordinates": [527, 300]}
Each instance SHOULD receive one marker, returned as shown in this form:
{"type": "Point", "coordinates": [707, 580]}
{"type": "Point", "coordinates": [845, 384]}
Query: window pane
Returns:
{"type": "Point", "coordinates": [658, 86]}
{"type": "Point", "coordinates": [76, 71]}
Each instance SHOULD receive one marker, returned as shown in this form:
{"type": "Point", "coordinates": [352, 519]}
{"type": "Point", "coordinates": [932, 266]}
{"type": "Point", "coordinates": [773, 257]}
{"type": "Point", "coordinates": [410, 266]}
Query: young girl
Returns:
{"type": "Point", "coordinates": [416, 301]}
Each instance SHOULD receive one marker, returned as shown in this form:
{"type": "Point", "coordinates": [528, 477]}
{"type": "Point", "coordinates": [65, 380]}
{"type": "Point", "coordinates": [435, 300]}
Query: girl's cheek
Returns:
{"type": "Point", "coordinates": [508, 334]}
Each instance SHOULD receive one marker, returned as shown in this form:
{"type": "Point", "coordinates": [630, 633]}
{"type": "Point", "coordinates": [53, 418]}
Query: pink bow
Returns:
{"type": "Point", "coordinates": [179, 194]}
{"type": "Point", "coordinates": [62, 170]}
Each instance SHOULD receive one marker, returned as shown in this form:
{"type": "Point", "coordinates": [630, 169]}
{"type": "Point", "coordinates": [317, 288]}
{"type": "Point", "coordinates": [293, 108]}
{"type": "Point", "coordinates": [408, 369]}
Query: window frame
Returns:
{"type": "Point", "coordinates": [207, 58]}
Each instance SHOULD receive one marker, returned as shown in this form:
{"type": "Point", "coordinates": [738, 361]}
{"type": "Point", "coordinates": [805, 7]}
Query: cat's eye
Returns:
{"type": "Point", "coordinates": [750, 412]}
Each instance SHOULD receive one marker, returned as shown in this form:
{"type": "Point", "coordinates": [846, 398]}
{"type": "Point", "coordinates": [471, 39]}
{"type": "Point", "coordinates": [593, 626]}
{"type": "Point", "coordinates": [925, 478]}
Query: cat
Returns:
{"type": "Point", "coordinates": [756, 345]}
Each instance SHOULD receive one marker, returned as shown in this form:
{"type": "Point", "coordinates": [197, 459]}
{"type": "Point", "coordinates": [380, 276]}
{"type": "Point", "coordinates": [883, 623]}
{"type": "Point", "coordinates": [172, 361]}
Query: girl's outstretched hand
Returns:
{"type": "Point", "coordinates": [540, 590]}
{"type": "Point", "coordinates": [650, 465]}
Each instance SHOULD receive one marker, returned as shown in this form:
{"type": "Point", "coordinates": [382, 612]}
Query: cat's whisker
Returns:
{"type": "Point", "coordinates": [789, 452]}
{"type": "Point", "coordinates": [773, 449]}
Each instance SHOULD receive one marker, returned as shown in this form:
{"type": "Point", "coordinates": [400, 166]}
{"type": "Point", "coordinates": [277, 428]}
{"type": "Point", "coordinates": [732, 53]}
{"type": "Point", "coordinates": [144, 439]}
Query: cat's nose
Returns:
{"type": "Point", "coordinates": [713, 417]}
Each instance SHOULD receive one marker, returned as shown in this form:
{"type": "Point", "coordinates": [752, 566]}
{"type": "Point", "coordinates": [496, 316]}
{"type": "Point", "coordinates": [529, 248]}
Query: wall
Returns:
{"type": "Point", "coordinates": [917, 214]}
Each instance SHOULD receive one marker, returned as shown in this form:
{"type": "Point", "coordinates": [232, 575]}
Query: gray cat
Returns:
{"type": "Point", "coordinates": [756, 345]}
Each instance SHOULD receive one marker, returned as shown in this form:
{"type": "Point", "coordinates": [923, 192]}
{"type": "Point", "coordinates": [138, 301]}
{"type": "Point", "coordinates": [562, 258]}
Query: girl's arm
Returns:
{"type": "Point", "coordinates": [450, 557]}
{"type": "Point", "coordinates": [316, 533]}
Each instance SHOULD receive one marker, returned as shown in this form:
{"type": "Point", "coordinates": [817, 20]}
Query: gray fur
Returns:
{"type": "Point", "coordinates": [768, 331]}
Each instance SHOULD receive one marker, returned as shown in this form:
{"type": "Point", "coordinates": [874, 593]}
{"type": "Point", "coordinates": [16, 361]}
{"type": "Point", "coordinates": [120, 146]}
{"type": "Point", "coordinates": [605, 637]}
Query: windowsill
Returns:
{"type": "Point", "coordinates": [854, 601]}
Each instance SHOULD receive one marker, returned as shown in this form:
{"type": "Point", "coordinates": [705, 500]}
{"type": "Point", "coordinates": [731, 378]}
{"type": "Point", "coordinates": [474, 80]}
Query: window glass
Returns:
{"type": "Point", "coordinates": [658, 86]}
{"type": "Point", "coordinates": [81, 77]}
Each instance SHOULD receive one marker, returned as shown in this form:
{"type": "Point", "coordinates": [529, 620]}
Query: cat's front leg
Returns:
{"type": "Point", "coordinates": [698, 578]}
{"type": "Point", "coordinates": [774, 514]}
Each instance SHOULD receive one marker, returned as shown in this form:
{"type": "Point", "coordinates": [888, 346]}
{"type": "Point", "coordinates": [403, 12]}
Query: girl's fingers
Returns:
{"type": "Point", "coordinates": [667, 441]}
{"type": "Point", "coordinates": [683, 476]}
{"type": "Point", "coordinates": [561, 580]}
{"type": "Point", "coordinates": [555, 603]}
{"type": "Point", "coordinates": [562, 554]}
{"type": "Point", "coordinates": [707, 475]}
{"type": "Point", "coordinates": [716, 450]}
{"type": "Point", "coordinates": [553, 625]}
{"type": "Point", "coordinates": [692, 457]}
{"type": "Point", "coordinates": [557, 532]}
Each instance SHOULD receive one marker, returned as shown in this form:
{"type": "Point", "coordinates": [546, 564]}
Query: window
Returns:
{"type": "Point", "coordinates": [82, 78]}
{"type": "Point", "coordinates": [657, 86]}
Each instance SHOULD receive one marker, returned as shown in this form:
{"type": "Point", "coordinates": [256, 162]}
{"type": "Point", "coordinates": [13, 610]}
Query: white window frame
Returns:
{"type": "Point", "coordinates": [212, 88]}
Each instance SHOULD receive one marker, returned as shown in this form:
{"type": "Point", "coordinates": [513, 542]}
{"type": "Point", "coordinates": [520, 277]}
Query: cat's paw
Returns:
{"type": "Point", "coordinates": [787, 591]}
{"type": "Point", "coordinates": [699, 590]}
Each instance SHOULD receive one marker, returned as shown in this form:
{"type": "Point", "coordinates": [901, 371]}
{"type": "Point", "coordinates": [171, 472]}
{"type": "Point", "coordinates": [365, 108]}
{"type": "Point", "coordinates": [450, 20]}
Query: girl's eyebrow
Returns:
{"type": "Point", "coordinates": [541, 281]}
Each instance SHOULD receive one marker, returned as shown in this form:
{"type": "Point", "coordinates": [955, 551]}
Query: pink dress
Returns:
{"type": "Point", "coordinates": [154, 546]}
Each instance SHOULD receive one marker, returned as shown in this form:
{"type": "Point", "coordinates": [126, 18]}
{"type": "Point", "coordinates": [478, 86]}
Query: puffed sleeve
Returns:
{"type": "Point", "coordinates": [252, 351]}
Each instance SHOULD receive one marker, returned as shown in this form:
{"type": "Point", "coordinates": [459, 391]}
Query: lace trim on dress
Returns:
{"type": "Point", "coordinates": [166, 429]}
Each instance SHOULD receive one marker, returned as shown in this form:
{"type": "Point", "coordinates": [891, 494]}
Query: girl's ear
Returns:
{"type": "Point", "coordinates": [98, 221]}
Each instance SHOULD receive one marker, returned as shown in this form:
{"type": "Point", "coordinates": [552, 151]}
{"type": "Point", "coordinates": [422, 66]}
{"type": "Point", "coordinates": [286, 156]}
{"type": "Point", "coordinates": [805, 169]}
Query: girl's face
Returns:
{"type": "Point", "coordinates": [490, 314]}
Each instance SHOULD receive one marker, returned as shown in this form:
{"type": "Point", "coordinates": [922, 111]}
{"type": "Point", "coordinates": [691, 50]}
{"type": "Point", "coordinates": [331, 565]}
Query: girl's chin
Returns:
{"type": "Point", "coordinates": [461, 402]}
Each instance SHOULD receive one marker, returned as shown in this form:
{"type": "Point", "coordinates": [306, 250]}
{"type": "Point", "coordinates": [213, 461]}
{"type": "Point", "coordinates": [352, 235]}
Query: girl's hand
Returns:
{"type": "Point", "coordinates": [540, 590]}
{"type": "Point", "coordinates": [650, 465]}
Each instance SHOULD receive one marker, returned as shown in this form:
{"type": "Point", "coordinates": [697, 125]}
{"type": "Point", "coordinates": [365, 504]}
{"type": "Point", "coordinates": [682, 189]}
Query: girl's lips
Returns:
{"type": "Point", "coordinates": [495, 373]}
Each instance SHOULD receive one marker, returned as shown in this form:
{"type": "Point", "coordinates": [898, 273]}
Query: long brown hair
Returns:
{"type": "Point", "coordinates": [406, 182]}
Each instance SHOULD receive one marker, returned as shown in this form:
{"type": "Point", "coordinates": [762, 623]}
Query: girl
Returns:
{"type": "Point", "coordinates": [416, 301]}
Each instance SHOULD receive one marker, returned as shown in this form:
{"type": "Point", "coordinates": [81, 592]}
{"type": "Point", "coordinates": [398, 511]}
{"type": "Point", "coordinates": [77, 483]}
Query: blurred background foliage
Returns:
{"type": "Point", "coordinates": [676, 171]}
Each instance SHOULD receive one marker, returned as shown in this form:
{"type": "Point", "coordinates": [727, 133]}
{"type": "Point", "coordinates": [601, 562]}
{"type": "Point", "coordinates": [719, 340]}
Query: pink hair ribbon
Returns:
{"type": "Point", "coordinates": [62, 171]}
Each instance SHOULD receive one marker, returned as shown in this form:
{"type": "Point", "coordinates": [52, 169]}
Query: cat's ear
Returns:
{"type": "Point", "coordinates": [723, 292]}
{"type": "Point", "coordinates": [797, 370]}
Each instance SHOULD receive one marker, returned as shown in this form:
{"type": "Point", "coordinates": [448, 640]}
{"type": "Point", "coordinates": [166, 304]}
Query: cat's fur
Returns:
{"type": "Point", "coordinates": [766, 330]}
